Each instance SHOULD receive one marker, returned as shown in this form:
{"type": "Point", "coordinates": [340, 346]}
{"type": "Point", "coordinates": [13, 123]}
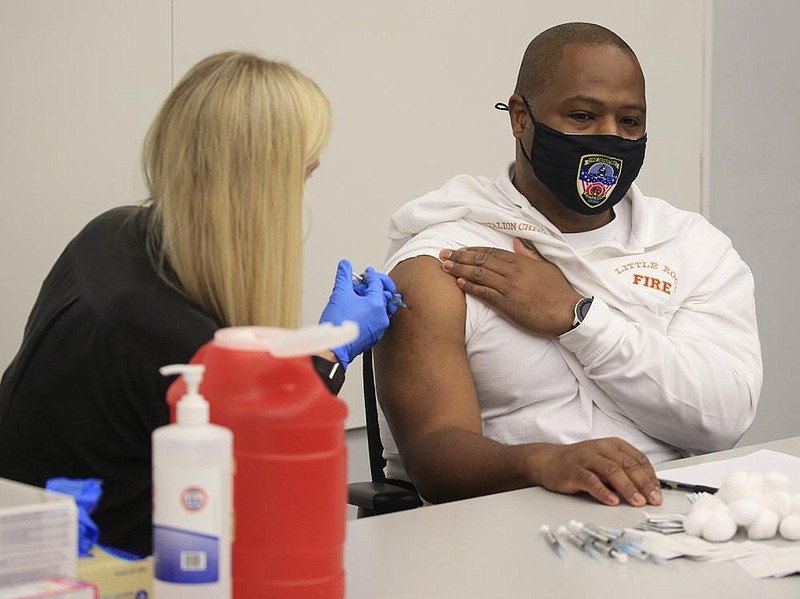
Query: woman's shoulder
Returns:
{"type": "Point", "coordinates": [132, 303]}
{"type": "Point", "coordinates": [115, 216]}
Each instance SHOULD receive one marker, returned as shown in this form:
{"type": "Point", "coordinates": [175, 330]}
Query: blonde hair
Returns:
{"type": "Point", "coordinates": [225, 161]}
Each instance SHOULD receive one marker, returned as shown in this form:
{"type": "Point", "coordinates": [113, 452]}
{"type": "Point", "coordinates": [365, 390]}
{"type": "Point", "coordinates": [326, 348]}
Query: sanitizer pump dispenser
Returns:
{"type": "Point", "coordinates": [192, 487]}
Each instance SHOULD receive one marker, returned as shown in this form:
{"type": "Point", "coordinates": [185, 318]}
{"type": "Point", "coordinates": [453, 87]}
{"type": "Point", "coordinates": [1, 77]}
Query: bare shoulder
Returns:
{"type": "Point", "coordinates": [422, 371]}
{"type": "Point", "coordinates": [436, 305]}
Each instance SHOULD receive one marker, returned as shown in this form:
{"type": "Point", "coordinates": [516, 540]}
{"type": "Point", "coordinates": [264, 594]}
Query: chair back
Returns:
{"type": "Point", "coordinates": [382, 495]}
{"type": "Point", "coordinates": [374, 445]}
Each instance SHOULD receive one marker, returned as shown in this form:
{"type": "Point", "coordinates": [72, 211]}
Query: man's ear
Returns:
{"type": "Point", "coordinates": [518, 113]}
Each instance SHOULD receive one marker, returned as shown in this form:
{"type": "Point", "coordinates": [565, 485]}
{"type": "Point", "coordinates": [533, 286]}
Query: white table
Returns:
{"type": "Point", "coordinates": [489, 548]}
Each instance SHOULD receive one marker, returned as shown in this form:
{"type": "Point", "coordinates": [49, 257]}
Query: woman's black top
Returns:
{"type": "Point", "coordinates": [83, 394]}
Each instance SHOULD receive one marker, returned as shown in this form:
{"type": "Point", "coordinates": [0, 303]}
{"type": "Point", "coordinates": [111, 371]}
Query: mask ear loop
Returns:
{"type": "Point", "coordinates": [504, 107]}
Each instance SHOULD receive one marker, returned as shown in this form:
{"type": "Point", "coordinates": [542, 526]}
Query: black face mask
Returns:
{"type": "Point", "coordinates": [587, 173]}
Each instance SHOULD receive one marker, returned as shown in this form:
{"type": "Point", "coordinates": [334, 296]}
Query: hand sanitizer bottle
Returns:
{"type": "Point", "coordinates": [192, 488]}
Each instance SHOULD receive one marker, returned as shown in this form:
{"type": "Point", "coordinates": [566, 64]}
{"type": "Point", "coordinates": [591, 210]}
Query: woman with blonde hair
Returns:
{"type": "Point", "coordinates": [219, 243]}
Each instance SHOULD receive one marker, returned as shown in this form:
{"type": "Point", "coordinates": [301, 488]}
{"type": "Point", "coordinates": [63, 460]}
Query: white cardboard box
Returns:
{"type": "Point", "coordinates": [38, 534]}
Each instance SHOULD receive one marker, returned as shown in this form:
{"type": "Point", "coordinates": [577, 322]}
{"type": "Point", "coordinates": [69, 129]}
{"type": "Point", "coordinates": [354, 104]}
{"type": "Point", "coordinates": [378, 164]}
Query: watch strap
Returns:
{"type": "Point", "coordinates": [331, 373]}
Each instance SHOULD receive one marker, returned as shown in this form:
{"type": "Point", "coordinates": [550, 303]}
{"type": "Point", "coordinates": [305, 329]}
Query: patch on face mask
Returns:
{"type": "Point", "coordinates": [597, 178]}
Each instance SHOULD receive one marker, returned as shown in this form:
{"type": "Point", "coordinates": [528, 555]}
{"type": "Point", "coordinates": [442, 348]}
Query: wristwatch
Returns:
{"type": "Point", "coordinates": [331, 373]}
{"type": "Point", "coordinates": [580, 310]}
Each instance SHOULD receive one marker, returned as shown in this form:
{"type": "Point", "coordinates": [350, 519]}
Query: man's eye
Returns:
{"type": "Point", "coordinates": [630, 122]}
{"type": "Point", "coordinates": [581, 116]}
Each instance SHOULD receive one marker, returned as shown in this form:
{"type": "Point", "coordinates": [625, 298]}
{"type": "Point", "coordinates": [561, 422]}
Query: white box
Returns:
{"type": "Point", "coordinates": [38, 534]}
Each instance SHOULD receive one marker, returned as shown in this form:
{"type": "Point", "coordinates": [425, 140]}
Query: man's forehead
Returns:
{"type": "Point", "coordinates": [578, 57]}
{"type": "Point", "coordinates": [582, 68]}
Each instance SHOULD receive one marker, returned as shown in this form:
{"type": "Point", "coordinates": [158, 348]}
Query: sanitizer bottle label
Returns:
{"type": "Point", "coordinates": [186, 542]}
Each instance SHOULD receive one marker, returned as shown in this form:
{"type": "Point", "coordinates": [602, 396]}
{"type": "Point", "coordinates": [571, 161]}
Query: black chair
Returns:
{"type": "Point", "coordinates": [382, 495]}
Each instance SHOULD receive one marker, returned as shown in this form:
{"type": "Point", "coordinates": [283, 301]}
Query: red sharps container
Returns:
{"type": "Point", "coordinates": [290, 483]}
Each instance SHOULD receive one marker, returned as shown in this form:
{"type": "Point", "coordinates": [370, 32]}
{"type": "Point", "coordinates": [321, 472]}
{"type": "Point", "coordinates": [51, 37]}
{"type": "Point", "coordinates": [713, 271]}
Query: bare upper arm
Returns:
{"type": "Point", "coordinates": [422, 374]}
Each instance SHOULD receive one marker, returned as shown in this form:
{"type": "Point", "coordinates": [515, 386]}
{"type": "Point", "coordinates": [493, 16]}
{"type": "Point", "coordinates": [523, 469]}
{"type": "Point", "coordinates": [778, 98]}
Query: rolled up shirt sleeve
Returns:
{"type": "Point", "coordinates": [695, 386]}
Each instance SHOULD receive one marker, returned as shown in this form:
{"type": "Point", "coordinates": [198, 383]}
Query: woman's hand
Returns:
{"type": "Point", "coordinates": [369, 302]}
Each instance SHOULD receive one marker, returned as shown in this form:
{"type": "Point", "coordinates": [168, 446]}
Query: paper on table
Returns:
{"type": "Point", "coordinates": [776, 562]}
{"type": "Point", "coordinates": [713, 473]}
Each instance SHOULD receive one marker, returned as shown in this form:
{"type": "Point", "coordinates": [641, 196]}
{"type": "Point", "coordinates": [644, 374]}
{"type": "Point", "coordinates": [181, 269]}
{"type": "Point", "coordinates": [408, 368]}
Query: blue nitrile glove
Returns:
{"type": "Point", "coordinates": [370, 309]}
{"type": "Point", "coordinates": [390, 294]}
{"type": "Point", "coordinates": [86, 493]}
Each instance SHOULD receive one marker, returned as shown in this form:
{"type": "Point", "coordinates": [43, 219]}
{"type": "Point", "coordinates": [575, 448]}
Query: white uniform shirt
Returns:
{"type": "Point", "coordinates": [668, 357]}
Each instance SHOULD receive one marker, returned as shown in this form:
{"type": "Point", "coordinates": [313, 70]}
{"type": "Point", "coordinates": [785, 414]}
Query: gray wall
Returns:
{"type": "Point", "coordinates": [755, 145]}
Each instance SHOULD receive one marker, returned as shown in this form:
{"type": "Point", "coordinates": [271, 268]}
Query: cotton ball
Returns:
{"type": "Point", "coordinates": [757, 482]}
{"type": "Point", "coordinates": [744, 511]}
{"type": "Point", "coordinates": [736, 485]}
{"type": "Point", "coordinates": [776, 481]}
{"type": "Point", "coordinates": [719, 527]}
{"type": "Point", "coordinates": [796, 504]}
{"type": "Point", "coordinates": [764, 526]}
{"type": "Point", "coordinates": [702, 509]}
{"type": "Point", "coordinates": [695, 520]}
{"type": "Point", "coordinates": [790, 527]}
{"type": "Point", "coordinates": [779, 502]}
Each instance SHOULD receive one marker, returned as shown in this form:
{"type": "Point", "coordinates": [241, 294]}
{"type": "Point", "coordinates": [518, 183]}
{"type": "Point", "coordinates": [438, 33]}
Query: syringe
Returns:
{"type": "Point", "coordinates": [397, 299]}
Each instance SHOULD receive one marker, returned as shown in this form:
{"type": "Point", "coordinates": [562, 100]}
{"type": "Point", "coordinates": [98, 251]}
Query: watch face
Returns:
{"type": "Point", "coordinates": [583, 307]}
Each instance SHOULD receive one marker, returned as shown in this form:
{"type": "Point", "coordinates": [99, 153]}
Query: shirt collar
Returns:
{"type": "Point", "coordinates": [647, 228]}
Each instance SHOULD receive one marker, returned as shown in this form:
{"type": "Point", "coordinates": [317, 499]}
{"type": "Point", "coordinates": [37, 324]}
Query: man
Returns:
{"type": "Point", "coordinates": [589, 331]}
